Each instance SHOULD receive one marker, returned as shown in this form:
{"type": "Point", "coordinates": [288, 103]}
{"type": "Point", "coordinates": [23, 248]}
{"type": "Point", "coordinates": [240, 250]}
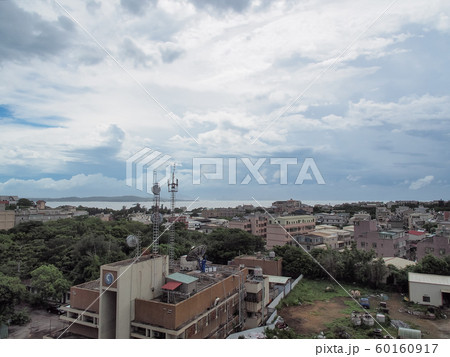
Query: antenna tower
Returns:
{"type": "Point", "coordinates": [173, 187]}
{"type": "Point", "coordinates": [156, 216]}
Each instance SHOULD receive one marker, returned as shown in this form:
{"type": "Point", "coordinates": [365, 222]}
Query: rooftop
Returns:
{"type": "Point", "coordinates": [90, 285]}
{"type": "Point", "coordinates": [126, 262]}
{"type": "Point", "coordinates": [429, 278]}
{"type": "Point", "coordinates": [182, 278]}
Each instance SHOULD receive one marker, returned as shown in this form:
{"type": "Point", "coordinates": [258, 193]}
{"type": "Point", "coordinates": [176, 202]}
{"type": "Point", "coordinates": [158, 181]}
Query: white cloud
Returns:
{"type": "Point", "coordinates": [416, 185]}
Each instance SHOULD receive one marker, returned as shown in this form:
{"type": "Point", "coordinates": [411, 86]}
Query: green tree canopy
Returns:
{"type": "Point", "coordinates": [49, 282]}
{"type": "Point", "coordinates": [11, 292]}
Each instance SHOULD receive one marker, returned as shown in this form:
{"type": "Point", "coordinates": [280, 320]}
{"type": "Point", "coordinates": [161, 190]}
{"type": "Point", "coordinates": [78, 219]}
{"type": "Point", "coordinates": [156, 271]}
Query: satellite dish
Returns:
{"type": "Point", "coordinates": [196, 253]}
{"type": "Point", "coordinates": [132, 241]}
{"type": "Point", "coordinates": [156, 189]}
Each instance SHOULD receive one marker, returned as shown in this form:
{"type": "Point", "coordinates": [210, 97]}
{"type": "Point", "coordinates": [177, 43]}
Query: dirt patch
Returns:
{"type": "Point", "coordinates": [430, 328]}
{"type": "Point", "coordinates": [42, 323]}
{"type": "Point", "coordinates": [310, 319]}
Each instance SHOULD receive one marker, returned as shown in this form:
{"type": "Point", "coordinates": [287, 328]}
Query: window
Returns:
{"type": "Point", "coordinates": [374, 245]}
{"type": "Point", "coordinates": [442, 251]}
{"type": "Point", "coordinates": [363, 244]}
{"type": "Point", "coordinates": [426, 298]}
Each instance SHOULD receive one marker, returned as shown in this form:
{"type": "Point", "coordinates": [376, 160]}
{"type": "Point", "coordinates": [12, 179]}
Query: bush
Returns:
{"type": "Point", "coordinates": [20, 317]}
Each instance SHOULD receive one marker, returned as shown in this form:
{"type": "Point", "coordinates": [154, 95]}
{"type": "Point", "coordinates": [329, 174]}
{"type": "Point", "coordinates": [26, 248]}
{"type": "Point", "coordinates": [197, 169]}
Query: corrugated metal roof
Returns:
{"type": "Point", "coordinates": [398, 262]}
{"type": "Point", "coordinates": [429, 278]}
{"type": "Point", "coordinates": [182, 278]}
{"type": "Point", "coordinates": [278, 279]}
{"type": "Point", "coordinates": [171, 285]}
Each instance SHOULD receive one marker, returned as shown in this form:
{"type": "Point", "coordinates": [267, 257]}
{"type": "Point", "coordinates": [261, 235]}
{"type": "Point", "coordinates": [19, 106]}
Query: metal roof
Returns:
{"type": "Point", "coordinates": [278, 279]}
{"type": "Point", "coordinates": [171, 285]}
{"type": "Point", "coordinates": [182, 278]}
{"type": "Point", "coordinates": [429, 278]}
{"type": "Point", "coordinates": [398, 262]}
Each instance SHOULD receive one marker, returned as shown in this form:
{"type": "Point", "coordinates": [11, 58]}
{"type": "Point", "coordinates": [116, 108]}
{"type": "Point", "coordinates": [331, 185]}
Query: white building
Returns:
{"type": "Point", "coordinates": [429, 289]}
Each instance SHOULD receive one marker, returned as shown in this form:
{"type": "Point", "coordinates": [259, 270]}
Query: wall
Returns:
{"type": "Point", "coordinates": [7, 219]}
{"type": "Point", "coordinates": [82, 298]}
{"type": "Point", "coordinates": [418, 290]}
{"type": "Point", "coordinates": [173, 316]}
{"type": "Point", "coordinates": [269, 267]}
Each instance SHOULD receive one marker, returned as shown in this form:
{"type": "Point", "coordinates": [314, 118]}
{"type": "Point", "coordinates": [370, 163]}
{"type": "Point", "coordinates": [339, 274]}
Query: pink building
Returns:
{"type": "Point", "coordinates": [439, 246]}
{"type": "Point", "coordinates": [389, 243]}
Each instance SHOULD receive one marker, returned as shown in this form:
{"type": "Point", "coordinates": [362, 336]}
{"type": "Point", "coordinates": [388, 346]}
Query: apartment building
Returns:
{"type": "Point", "coordinates": [438, 245]}
{"type": "Point", "coordinates": [333, 219]}
{"type": "Point", "coordinates": [388, 243]}
{"type": "Point", "coordinates": [280, 230]}
{"type": "Point", "coordinates": [256, 225]}
{"type": "Point", "coordinates": [269, 264]}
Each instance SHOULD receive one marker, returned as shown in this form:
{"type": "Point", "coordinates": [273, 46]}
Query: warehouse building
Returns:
{"type": "Point", "coordinates": [429, 289]}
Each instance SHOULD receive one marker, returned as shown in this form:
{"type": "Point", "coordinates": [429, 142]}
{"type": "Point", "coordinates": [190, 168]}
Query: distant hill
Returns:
{"type": "Point", "coordinates": [102, 199]}
{"type": "Point", "coordinates": [97, 199]}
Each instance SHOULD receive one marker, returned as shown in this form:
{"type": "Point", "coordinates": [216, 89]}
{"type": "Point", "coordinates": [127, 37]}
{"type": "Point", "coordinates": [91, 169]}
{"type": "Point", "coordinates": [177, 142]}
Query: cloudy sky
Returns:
{"type": "Point", "coordinates": [360, 87]}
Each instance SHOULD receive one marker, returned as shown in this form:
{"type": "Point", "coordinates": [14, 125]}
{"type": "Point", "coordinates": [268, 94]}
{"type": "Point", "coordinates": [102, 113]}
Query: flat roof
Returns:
{"type": "Point", "coordinates": [89, 285]}
{"type": "Point", "coordinates": [182, 278]}
{"type": "Point", "coordinates": [429, 278]}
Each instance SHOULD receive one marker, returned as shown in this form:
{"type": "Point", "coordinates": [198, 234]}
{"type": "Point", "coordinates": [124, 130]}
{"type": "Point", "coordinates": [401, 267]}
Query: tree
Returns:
{"type": "Point", "coordinates": [24, 203]}
{"type": "Point", "coordinates": [11, 292]}
{"type": "Point", "coordinates": [225, 244]}
{"type": "Point", "coordinates": [49, 282]}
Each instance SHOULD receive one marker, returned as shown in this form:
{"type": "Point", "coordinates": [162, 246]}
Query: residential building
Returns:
{"type": "Point", "coordinates": [254, 224]}
{"type": "Point", "coordinates": [416, 220]}
{"type": "Point", "coordinates": [333, 219]}
{"type": "Point", "coordinates": [437, 245]}
{"type": "Point", "coordinates": [389, 243]}
{"type": "Point", "coordinates": [429, 289]}
{"type": "Point", "coordinates": [280, 230]}
{"type": "Point", "coordinates": [286, 207]}
{"type": "Point", "coordinates": [224, 212]}
{"type": "Point", "coordinates": [11, 200]}
{"type": "Point", "coordinates": [45, 215]}
{"type": "Point", "coordinates": [360, 216]}
{"type": "Point", "coordinates": [7, 219]}
{"type": "Point", "coordinates": [331, 238]}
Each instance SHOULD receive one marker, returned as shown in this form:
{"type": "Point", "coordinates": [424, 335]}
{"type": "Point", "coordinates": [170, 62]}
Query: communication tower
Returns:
{"type": "Point", "coordinates": [173, 187]}
{"type": "Point", "coordinates": [156, 216]}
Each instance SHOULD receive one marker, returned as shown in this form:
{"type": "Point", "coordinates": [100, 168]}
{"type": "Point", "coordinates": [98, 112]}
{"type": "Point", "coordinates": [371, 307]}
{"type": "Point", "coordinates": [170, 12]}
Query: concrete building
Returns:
{"type": "Point", "coordinates": [438, 245]}
{"type": "Point", "coordinates": [416, 220]}
{"type": "Point", "coordinates": [360, 216]}
{"type": "Point", "coordinates": [333, 219]}
{"type": "Point", "coordinates": [281, 229]}
{"type": "Point", "coordinates": [269, 265]}
{"type": "Point", "coordinates": [429, 289]}
{"type": "Point", "coordinates": [254, 224]}
{"type": "Point", "coordinates": [390, 243]}
{"type": "Point", "coordinates": [139, 299]}
{"type": "Point", "coordinates": [45, 215]}
{"type": "Point", "coordinates": [286, 207]}
{"type": "Point", "coordinates": [7, 219]}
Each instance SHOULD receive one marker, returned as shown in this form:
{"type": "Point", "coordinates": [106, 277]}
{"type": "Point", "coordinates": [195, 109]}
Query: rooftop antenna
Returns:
{"type": "Point", "coordinates": [156, 216]}
{"type": "Point", "coordinates": [173, 187]}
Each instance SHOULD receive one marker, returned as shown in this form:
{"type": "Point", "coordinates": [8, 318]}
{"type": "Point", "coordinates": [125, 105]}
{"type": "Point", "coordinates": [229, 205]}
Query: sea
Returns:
{"type": "Point", "coordinates": [189, 205]}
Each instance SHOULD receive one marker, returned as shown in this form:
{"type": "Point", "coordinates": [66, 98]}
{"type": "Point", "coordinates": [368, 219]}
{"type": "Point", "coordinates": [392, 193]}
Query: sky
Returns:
{"type": "Point", "coordinates": [311, 100]}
